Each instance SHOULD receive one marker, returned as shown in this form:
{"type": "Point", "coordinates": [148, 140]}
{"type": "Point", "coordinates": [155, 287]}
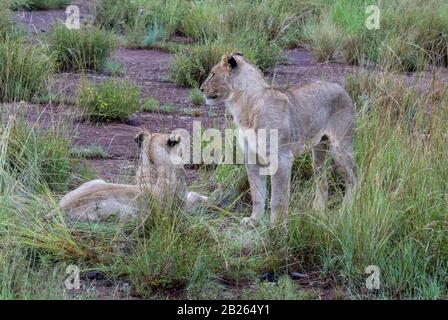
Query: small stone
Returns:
{"type": "Point", "coordinates": [297, 275]}
{"type": "Point", "coordinates": [268, 276]}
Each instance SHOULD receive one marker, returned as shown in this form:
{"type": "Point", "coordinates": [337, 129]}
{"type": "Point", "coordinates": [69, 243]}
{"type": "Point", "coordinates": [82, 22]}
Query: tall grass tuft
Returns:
{"type": "Point", "coordinates": [325, 39]}
{"type": "Point", "coordinates": [36, 158]}
{"type": "Point", "coordinates": [143, 22]}
{"type": "Point", "coordinates": [86, 49]}
{"type": "Point", "coordinates": [8, 29]}
{"type": "Point", "coordinates": [24, 70]}
{"type": "Point", "coordinates": [396, 219]}
{"type": "Point", "coordinates": [412, 34]}
{"type": "Point", "coordinates": [191, 66]}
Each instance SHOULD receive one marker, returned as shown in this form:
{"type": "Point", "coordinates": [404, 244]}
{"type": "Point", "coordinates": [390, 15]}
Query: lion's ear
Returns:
{"type": "Point", "coordinates": [140, 137]}
{"type": "Point", "coordinates": [232, 62]}
{"type": "Point", "coordinates": [236, 53]}
{"type": "Point", "coordinates": [173, 140]}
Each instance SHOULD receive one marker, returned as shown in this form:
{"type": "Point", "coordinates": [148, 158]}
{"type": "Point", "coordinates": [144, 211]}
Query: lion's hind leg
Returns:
{"type": "Point", "coordinates": [320, 152]}
{"type": "Point", "coordinates": [343, 154]}
{"type": "Point", "coordinates": [73, 196]}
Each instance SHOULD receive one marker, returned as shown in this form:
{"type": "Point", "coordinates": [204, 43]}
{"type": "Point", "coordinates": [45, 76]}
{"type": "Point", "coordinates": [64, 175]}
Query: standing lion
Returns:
{"type": "Point", "coordinates": [319, 116]}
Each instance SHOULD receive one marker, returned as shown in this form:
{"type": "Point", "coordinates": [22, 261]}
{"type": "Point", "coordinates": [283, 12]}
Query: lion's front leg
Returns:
{"type": "Point", "coordinates": [257, 184]}
{"type": "Point", "coordinates": [281, 184]}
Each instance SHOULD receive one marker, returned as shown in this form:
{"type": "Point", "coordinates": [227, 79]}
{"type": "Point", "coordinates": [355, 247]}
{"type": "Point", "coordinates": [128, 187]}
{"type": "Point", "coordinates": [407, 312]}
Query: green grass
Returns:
{"type": "Point", "coordinates": [113, 68]}
{"type": "Point", "coordinates": [250, 28]}
{"type": "Point", "coordinates": [397, 220]}
{"type": "Point", "coordinates": [39, 4]}
{"type": "Point", "coordinates": [387, 224]}
{"type": "Point", "coordinates": [325, 39]}
{"type": "Point", "coordinates": [333, 30]}
{"type": "Point", "coordinates": [196, 97]}
{"type": "Point", "coordinates": [153, 106]}
{"type": "Point", "coordinates": [190, 67]}
{"type": "Point", "coordinates": [109, 100]}
{"type": "Point", "coordinates": [93, 151]}
{"type": "Point", "coordinates": [81, 50]}
{"type": "Point", "coordinates": [169, 258]}
{"type": "Point", "coordinates": [8, 29]}
{"type": "Point", "coordinates": [24, 70]}
{"type": "Point", "coordinates": [408, 43]}
{"type": "Point", "coordinates": [165, 108]}
{"type": "Point", "coordinates": [283, 289]}
{"type": "Point", "coordinates": [143, 22]}
{"type": "Point", "coordinates": [36, 158]}
{"type": "Point", "coordinates": [150, 104]}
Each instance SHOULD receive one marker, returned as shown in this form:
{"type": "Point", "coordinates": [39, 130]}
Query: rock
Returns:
{"type": "Point", "coordinates": [94, 275]}
{"type": "Point", "coordinates": [297, 275]}
{"type": "Point", "coordinates": [268, 276]}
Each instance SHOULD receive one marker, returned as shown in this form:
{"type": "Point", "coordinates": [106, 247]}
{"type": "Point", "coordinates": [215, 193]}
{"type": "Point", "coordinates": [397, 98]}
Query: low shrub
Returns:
{"type": "Point", "coordinates": [191, 67]}
{"type": "Point", "coordinates": [113, 68]}
{"type": "Point", "coordinates": [196, 97]}
{"type": "Point", "coordinates": [110, 100]}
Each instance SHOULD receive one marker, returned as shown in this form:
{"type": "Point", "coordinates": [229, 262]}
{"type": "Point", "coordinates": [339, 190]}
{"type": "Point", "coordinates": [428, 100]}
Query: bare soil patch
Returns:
{"type": "Point", "coordinates": [42, 21]}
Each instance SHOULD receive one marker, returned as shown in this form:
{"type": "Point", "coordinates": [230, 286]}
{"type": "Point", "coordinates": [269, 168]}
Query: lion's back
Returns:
{"type": "Point", "coordinates": [318, 107]}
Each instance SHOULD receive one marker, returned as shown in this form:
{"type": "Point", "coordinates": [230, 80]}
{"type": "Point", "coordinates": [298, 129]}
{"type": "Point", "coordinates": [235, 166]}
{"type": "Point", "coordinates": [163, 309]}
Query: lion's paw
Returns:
{"type": "Point", "coordinates": [248, 221]}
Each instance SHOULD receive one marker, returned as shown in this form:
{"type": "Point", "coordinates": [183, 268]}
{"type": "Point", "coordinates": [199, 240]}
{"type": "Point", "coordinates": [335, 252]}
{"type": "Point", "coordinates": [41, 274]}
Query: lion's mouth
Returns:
{"type": "Point", "coordinates": [212, 96]}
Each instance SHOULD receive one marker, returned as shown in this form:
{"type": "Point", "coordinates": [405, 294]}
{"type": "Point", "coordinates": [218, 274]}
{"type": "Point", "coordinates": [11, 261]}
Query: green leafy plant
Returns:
{"type": "Point", "coordinates": [110, 100]}
{"type": "Point", "coordinates": [196, 97]}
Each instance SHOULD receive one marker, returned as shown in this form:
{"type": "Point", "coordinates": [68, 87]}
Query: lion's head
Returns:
{"type": "Point", "coordinates": [159, 148]}
{"type": "Point", "coordinates": [219, 83]}
{"type": "Point", "coordinates": [232, 73]}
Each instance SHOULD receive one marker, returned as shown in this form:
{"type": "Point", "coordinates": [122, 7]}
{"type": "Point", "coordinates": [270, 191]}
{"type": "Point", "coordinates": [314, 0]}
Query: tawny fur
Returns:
{"type": "Point", "coordinates": [319, 116]}
{"type": "Point", "coordinates": [156, 176]}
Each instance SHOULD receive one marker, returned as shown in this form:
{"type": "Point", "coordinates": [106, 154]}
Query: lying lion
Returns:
{"type": "Point", "coordinates": [157, 177]}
